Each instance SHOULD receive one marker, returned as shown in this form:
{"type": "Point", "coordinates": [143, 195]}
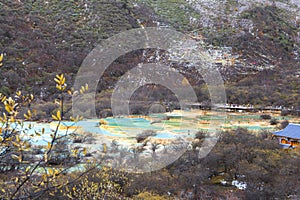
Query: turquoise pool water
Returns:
{"type": "Point", "coordinates": [41, 139]}
{"type": "Point", "coordinates": [181, 130]}
{"type": "Point", "coordinates": [138, 123]}
{"type": "Point", "coordinates": [163, 135]}
{"type": "Point", "coordinates": [129, 127]}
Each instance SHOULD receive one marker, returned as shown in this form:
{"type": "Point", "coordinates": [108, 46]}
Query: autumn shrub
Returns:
{"type": "Point", "coordinates": [285, 112]}
{"type": "Point", "coordinates": [284, 124]}
{"type": "Point", "coordinates": [149, 196]}
{"type": "Point", "coordinates": [274, 121]}
{"type": "Point", "coordinates": [52, 169]}
{"type": "Point", "coordinates": [138, 109]}
{"type": "Point", "coordinates": [200, 135]}
{"type": "Point", "coordinates": [144, 135]}
{"type": "Point", "coordinates": [97, 183]}
{"type": "Point", "coordinates": [5, 90]}
{"type": "Point", "coordinates": [44, 110]}
{"type": "Point", "coordinates": [265, 116]}
{"type": "Point", "coordinates": [105, 113]}
{"type": "Point", "coordinates": [157, 108]}
{"type": "Point", "coordinates": [28, 168]}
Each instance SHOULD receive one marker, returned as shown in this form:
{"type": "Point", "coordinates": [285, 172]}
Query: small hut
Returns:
{"type": "Point", "coordinates": [289, 137]}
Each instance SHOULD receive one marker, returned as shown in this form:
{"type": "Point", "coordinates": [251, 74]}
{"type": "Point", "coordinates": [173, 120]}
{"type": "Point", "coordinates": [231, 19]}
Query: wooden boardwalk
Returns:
{"type": "Point", "coordinates": [235, 107]}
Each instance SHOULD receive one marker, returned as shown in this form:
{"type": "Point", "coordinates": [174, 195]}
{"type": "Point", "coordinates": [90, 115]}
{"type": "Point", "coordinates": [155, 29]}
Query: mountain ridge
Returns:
{"type": "Point", "coordinates": [41, 39]}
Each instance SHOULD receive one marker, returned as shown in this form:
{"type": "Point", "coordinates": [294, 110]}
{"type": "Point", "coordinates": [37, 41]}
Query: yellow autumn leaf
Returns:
{"type": "Point", "coordinates": [28, 116]}
{"type": "Point", "coordinates": [18, 138]}
{"type": "Point", "coordinates": [20, 159]}
{"type": "Point", "coordinates": [18, 93]}
{"type": "Point", "coordinates": [63, 80]}
{"type": "Point", "coordinates": [50, 171]}
{"type": "Point", "coordinates": [10, 100]}
{"type": "Point", "coordinates": [15, 144]}
{"type": "Point", "coordinates": [8, 108]}
{"type": "Point", "coordinates": [27, 169]}
{"type": "Point", "coordinates": [75, 151]}
{"type": "Point", "coordinates": [56, 172]}
{"type": "Point", "coordinates": [15, 157]}
{"type": "Point", "coordinates": [58, 115]}
{"type": "Point", "coordinates": [60, 79]}
{"type": "Point", "coordinates": [4, 117]}
{"type": "Point", "coordinates": [12, 119]}
{"type": "Point", "coordinates": [1, 58]}
{"type": "Point", "coordinates": [59, 87]}
{"type": "Point", "coordinates": [54, 117]}
{"type": "Point", "coordinates": [44, 177]}
{"type": "Point", "coordinates": [46, 157]}
{"type": "Point", "coordinates": [57, 81]}
{"type": "Point", "coordinates": [3, 99]}
{"type": "Point", "coordinates": [48, 145]}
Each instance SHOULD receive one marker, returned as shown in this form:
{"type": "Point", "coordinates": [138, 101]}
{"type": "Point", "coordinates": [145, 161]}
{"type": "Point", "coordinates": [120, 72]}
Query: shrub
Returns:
{"type": "Point", "coordinates": [21, 158]}
{"type": "Point", "coordinates": [285, 112]}
{"type": "Point", "coordinates": [104, 183]}
{"type": "Point", "coordinates": [265, 116]}
{"type": "Point", "coordinates": [144, 135]}
{"type": "Point", "coordinates": [138, 109]}
{"type": "Point", "coordinates": [45, 110]}
{"type": "Point", "coordinates": [105, 113]}
{"type": "Point", "coordinates": [273, 121]}
{"type": "Point", "coordinates": [157, 108]}
{"type": "Point", "coordinates": [200, 135]}
{"type": "Point", "coordinates": [284, 124]}
{"type": "Point", "coordinates": [149, 196]}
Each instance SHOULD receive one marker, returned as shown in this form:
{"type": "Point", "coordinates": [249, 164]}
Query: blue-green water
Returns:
{"type": "Point", "coordinates": [138, 123]}
{"type": "Point", "coordinates": [129, 127]}
{"type": "Point", "coordinates": [163, 135]}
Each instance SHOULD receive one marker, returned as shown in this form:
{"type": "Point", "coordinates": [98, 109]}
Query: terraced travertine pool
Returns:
{"type": "Point", "coordinates": [173, 134]}
{"type": "Point", "coordinates": [168, 126]}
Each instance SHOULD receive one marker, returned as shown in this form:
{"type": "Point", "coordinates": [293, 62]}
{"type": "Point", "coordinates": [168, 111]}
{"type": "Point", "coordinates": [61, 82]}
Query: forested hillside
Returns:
{"type": "Point", "coordinates": [261, 39]}
{"type": "Point", "coordinates": [154, 151]}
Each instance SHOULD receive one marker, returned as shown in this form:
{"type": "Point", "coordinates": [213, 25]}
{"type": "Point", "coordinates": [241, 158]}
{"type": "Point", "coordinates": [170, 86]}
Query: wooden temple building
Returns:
{"type": "Point", "coordinates": [289, 137]}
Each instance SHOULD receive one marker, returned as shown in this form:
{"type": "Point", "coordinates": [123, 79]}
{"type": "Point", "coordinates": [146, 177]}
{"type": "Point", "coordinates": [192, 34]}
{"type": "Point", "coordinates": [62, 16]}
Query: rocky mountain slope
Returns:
{"type": "Point", "coordinates": [255, 45]}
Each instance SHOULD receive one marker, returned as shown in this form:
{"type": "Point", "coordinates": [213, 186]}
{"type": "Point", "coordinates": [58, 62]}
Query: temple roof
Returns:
{"type": "Point", "coordinates": [291, 131]}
